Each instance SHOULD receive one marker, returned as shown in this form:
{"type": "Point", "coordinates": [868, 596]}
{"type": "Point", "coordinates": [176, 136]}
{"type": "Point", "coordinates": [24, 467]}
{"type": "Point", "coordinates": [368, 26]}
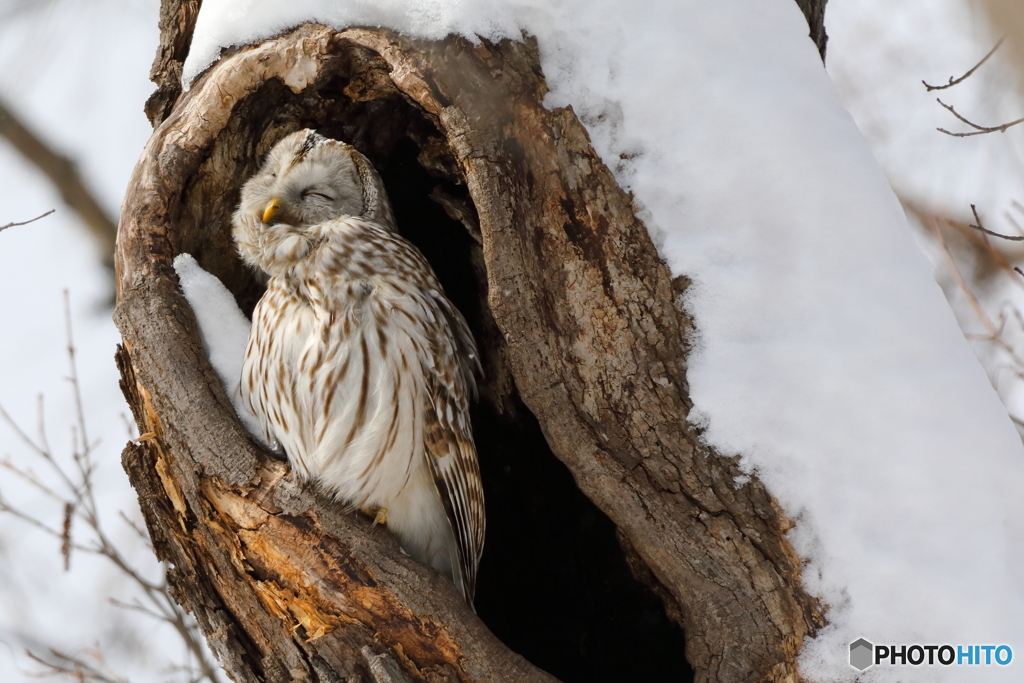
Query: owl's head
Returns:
{"type": "Point", "coordinates": [307, 179]}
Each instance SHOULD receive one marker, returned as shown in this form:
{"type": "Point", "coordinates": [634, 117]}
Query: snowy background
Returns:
{"type": "Point", "coordinates": [78, 73]}
{"type": "Point", "coordinates": [901, 469]}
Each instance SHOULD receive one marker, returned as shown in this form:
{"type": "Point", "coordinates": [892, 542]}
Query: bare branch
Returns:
{"type": "Point", "coordinates": [979, 130]}
{"type": "Point", "coordinates": [33, 480]}
{"type": "Point", "coordinates": [65, 177]}
{"type": "Point", "coordinates": [79, 501]}
{"type": "Point", "coordinates": [979, 226]}
{"type": "Point", "coordinates": [994, 334]}
{"type": "Point", "coordinates": [41, 418]}
{"type": "Point", "coordinates": [932, 224]}
{"type": "Point", "coordinates": [30, 220]}
{"type": "Point", "coordinates": [967, 75]}
{"type": "Point", "coordinates": [25, 438]}
{"type": "Point", "coordinates": [73, 378]}
{"type": "Point", "coordinates": [137, 606]}
{"type": "Point", "coordinates": [139, 531]}
{"type": "Point", "coordinates": [75, 667]}
{"type": "Point", "coordinates": [65, 546]}
{"type": "Point", "coordinates": [1012, 220]}
{"type": "Point", "coordinates": [18, 514]}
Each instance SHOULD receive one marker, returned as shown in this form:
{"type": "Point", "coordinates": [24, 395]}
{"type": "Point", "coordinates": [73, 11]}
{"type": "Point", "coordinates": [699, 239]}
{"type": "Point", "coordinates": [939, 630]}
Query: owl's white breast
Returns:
{"type": "Point", "coordinates": [337, 386]}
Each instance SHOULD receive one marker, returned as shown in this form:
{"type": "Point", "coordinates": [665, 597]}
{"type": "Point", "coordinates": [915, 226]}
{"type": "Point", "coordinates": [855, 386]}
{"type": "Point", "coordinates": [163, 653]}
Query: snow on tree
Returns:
{"type": "Point", "coordinates": [684, 269]}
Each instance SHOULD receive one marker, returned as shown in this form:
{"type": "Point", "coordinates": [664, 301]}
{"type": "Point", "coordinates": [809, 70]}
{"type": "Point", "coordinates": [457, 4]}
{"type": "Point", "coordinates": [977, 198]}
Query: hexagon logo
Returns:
{"type": "Point", "coordinates": [861, 654]}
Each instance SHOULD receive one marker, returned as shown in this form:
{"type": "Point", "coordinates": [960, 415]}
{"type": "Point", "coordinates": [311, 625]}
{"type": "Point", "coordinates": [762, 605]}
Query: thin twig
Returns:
{"type": "Point", "coordinates": [979, 130]}
{"type": "Point", "coordinates": [138, 607]}
{"type": "Point", "coordinates": [967, 75]}
{"type": "Point", "coordinates": [65, 177]}
{"type": "Point", "coordinates": [979, 226]}
{"type": "Point", "coordinates": [1008, 216]}
{"type": "Point", "coordinates": [76, 667]}
{"type": "Point", "coordinates": [995, 335]}
{"type": "Point", "coordinates": [28, 519]}
{"type": "Point", "coordinates": [79, 502]}
{"type": "Point", "coordinates": [30, 220]}
{"type": "Point", "coordinates": [129, 427]}
{"type": "Point", "coordinates": [30, 477]}
{"type": "Point", "coordinates": [41, 417]}
{"type": "Point", "coordinates": [932, 224]}
{"type": "Point", "coordinates": [65, 546]}
{"type": "Point", "coordinates": [71, 364]}
{"type": "Point", "coordinates": [25, 438]}
{"type": "Point", "coordinates": [140, 532]}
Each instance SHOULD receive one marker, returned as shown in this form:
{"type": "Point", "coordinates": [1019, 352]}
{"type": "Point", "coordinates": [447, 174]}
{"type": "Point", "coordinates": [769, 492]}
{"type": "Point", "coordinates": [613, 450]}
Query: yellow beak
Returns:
{"type": "Point", "coordinates": [271, 210]}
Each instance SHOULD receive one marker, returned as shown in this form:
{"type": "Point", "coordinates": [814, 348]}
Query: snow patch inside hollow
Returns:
{"type": "Point", "coordinates": [224, 331]}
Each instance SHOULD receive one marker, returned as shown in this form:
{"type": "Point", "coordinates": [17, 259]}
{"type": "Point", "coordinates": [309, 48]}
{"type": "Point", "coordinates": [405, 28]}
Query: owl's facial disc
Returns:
{"type": "Point", "coordinates": [318, 186]}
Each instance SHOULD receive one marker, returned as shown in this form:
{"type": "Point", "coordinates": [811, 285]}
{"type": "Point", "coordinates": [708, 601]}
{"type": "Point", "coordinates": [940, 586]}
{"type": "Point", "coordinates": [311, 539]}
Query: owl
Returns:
{"type": "Point", "coordinates": [357, 366]}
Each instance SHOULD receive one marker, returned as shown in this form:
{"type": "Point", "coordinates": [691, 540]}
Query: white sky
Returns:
{"type": "Point", "coordinates": [829, 360]}
{"type": "Point", "coordinates": [79, 73]}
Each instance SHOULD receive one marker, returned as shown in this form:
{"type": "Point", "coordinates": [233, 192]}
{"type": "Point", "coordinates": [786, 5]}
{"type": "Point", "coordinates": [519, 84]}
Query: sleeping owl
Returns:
{"type": "Point", "coordinates": [357, 366]}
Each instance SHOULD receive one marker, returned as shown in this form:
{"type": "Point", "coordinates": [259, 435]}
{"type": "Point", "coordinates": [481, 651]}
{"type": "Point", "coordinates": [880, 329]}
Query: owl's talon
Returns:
{"type": "Point", "coordinates": [380, 516]}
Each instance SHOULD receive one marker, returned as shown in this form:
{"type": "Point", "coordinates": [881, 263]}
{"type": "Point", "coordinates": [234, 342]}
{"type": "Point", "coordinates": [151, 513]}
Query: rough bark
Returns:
{"type": "Point", "coordinates": [814, 11]}
{"type": "Point", "coordinates": [177, 22]}
{"type": "Point", "coordinates": [581, 320]}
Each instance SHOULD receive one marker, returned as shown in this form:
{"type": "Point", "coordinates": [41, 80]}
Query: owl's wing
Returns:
{"type": "Point", "coordinates": [469, 359]}
{"type": "Point", "coordinates": [448, 436]}
{"type": "Point", "coordinates": [451, 457]}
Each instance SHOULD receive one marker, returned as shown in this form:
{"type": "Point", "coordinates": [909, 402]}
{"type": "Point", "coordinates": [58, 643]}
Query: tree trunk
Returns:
{"type": "Point", "coordinates": [579, 329]}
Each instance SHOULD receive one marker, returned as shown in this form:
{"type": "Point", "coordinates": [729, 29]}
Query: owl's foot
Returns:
{"type": "Point", "coordinates": [380, 515]}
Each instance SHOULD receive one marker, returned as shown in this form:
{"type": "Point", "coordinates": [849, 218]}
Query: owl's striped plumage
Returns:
{"type": "Point", "coordinates": [357, 365]}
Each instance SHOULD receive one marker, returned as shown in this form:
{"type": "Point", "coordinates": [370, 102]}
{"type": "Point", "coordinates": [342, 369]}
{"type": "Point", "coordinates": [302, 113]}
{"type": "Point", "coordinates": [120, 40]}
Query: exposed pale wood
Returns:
{"type": "Point", "coordinates": [587, 323]}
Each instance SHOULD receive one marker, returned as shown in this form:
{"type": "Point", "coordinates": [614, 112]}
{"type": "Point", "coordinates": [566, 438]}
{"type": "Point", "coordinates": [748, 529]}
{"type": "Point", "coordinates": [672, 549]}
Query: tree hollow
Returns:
{"type": "Point", "coordinates": [584, 344]}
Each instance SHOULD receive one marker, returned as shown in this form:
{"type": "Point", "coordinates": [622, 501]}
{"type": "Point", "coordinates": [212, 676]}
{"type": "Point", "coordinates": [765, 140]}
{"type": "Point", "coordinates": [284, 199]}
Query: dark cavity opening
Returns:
{"type": "Point", "coordinates": [554, 583]}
